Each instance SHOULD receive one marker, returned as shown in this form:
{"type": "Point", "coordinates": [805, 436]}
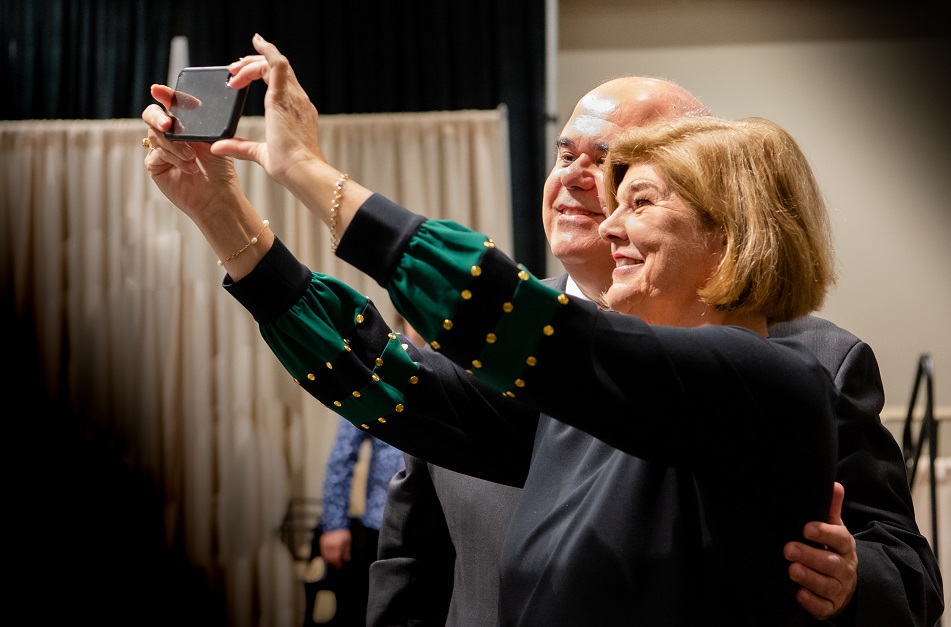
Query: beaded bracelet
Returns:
{"type": "Point", "coordinates": [254, 240]}
{"type": "Point", "coordinates": [334, 207]}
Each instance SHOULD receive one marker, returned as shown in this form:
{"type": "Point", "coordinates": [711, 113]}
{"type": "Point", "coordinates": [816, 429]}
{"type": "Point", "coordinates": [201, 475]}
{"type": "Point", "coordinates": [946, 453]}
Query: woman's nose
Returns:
{"type": "Point", "coordinates": [611, 229]}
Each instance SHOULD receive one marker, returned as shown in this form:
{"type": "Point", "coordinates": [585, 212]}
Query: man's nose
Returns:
{"type": "Point", "coordinates": [582, 173]}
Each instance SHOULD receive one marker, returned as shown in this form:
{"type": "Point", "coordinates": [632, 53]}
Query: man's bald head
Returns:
{"type": "Point", "coordinates": [638, 101]}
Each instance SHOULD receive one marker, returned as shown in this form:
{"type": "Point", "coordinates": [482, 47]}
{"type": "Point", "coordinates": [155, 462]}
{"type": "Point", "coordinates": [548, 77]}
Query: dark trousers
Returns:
{"type": "Point", "coordinates": [350, 584]}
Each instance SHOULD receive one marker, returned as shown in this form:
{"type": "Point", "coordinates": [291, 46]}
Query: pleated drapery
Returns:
{"type": "Point", "coordinates": [134, 330]}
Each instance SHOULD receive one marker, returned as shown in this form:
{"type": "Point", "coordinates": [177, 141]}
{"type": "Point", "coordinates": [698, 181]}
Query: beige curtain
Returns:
{"type": "Point", "coordinates": [160, 355]}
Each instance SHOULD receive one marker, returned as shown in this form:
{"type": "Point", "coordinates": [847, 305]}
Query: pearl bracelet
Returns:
{"type": "Point", "coordinates": [334, 207]}
{"type": "Point", "coordinates": [254, 240]}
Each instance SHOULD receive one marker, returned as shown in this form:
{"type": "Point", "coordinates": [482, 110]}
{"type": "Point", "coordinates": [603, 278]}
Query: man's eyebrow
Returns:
{"type": "Point", "coordinates": [564, 142]}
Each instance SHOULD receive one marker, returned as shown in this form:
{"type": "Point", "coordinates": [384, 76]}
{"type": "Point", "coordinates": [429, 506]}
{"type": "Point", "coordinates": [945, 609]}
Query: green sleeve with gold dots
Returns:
{"type": "Point", "coordinates": [473, 304]}
{"type": "Point", "coordinates": [464, 296]}
{"type": "Point", "coordinates": [337, 346]}
{"type": "Point", "coordinates": [449, 284]}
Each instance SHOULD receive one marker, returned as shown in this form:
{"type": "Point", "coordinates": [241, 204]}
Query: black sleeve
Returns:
{"type": "Point", "coordinates": [898, 578]}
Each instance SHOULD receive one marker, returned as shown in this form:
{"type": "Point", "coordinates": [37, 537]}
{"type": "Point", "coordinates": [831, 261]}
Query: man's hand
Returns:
{"type": "Point", "coordinates": [828, 576]}
{"type": "Point", "coordinates": [335, 547]}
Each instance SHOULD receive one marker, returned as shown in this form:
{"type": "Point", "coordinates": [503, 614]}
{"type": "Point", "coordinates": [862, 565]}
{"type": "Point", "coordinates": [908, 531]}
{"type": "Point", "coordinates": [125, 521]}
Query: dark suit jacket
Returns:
{"type": "Point", "coordinates": [434, 515]}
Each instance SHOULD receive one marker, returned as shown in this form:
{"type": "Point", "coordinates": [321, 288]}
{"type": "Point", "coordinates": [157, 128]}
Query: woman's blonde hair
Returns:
{"type": "Point", "coordinates": [750, 179]}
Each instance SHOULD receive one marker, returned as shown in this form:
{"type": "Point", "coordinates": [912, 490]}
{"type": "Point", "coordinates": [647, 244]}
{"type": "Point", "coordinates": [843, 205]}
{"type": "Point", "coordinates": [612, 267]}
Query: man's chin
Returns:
{"type": "Point", "coordinates": [579, 249]}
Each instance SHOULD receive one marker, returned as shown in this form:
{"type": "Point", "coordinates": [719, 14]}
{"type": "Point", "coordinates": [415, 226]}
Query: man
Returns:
{"type": "Point", "coordinates": [439, 524]}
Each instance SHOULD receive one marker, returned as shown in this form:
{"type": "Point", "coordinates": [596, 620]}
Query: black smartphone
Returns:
{"type": "Point", "coordinates": [204, 108]}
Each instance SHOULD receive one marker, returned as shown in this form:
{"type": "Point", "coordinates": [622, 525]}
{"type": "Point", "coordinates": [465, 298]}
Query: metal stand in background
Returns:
{"type": "Point", "coordinates": [929, 432]}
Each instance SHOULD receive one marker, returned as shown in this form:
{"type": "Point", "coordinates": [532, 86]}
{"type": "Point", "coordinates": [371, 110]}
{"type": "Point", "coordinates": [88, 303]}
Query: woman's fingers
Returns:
{"type": "Point", "coordinates": [178, 154]}
{"type": "Point", "coordinates": [248, 69]}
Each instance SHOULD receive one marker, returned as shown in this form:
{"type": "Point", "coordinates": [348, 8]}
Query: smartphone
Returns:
{"type": "Point", "coordinates": [204, 108]}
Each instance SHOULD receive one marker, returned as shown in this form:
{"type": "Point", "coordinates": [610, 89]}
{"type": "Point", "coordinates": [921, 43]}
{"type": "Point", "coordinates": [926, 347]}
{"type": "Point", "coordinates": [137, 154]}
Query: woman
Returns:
{"type": "Point", "coordinates": [679, 425]}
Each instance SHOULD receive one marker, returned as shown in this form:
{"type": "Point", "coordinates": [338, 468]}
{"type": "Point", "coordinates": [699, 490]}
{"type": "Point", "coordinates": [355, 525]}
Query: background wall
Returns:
{"type": "Point", "coordinates": [865, 90]}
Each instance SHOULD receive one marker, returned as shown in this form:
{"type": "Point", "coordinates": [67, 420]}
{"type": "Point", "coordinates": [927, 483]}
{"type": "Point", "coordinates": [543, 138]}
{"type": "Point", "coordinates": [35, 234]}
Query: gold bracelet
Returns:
{"type": "Point", "coordinates": [334, 207]}
{"type": "Point", "coordinates": [254, 240]}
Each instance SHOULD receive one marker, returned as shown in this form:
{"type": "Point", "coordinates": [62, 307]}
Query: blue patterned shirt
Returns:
{"type": "Point", "coordinates": [385, 461]}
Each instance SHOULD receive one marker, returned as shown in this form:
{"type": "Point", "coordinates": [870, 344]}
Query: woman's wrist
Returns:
{"type": "Point", "coordinates": [329, 193]}
{"type": "Point", "coordinates": [238, 235]}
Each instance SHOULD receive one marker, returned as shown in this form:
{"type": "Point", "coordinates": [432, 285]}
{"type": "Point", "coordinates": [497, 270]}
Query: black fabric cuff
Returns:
{"type": "Point", "coordinates": [274, 286]}
{"type": "Point", "coordinates": [377, 236]}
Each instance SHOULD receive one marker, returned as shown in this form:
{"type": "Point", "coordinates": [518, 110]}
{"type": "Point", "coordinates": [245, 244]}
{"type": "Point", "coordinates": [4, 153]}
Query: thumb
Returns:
{"type": "Point", "coordinates": [835, 509]}
{"type": "Point", "coordinates": [163, 94]}
{"type": "Point", "coordinates": [243, 149]}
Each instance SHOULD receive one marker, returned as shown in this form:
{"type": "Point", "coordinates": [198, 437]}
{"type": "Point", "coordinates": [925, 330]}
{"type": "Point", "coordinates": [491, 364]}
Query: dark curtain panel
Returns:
{"type": "Point", "coordinates": [96, 59]}
{"type": "Point", "coordinates": [81, 58]}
